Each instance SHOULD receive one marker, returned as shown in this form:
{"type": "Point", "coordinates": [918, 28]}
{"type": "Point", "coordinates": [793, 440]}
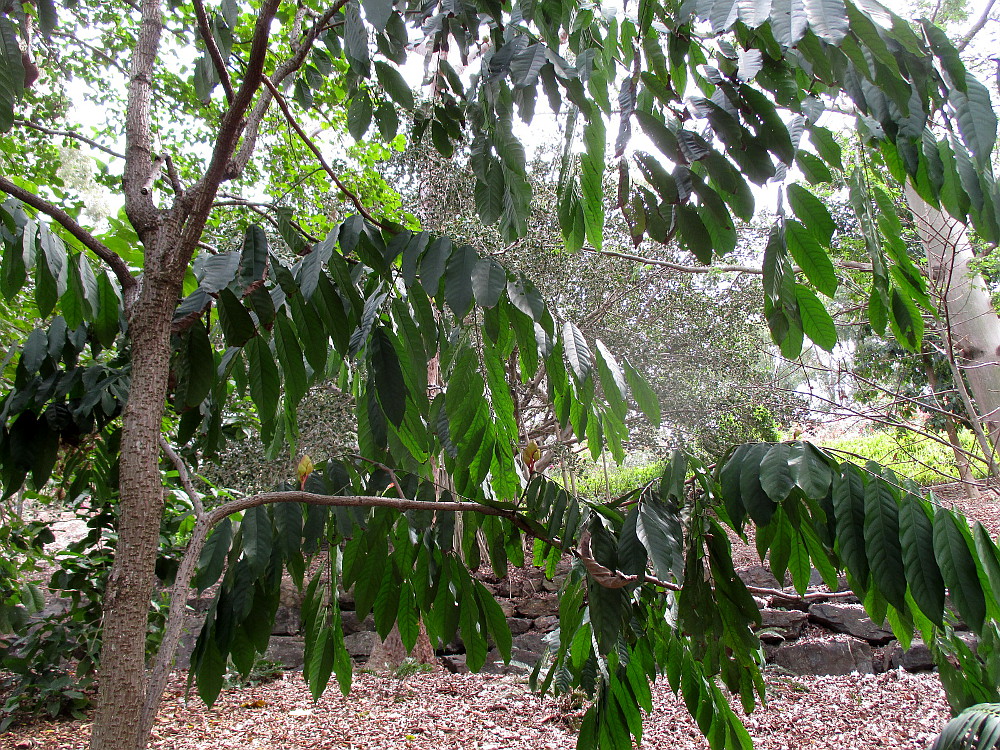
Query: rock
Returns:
{"type": "Point", "coordinates": [551, 586]}
{"type": "Point", "coordinates": [850, 619]}
{"type": "Point", "coordinates": [455, 663]}
{"type": "Point", "coordinates": [539, 606]}
{"type": "Point", "coordinates": [508, 607]}
{"type": "Point", "coordinates": [345, 598]}
{"type": "Point", "coordinates": [518, 625]}
{"type": "Point", "coordinates": [547, 623]}
{"type": "Point", "coordinates": [287, 650]}
{"type": "Point", "coordinates": [781, 624]}
{"type": "Point", "coordinates": [759, 576]}
{"type": "Point", "coordinates": [286, 621]}
{"type": "Point", "coordinates": [833, 657]}
{"type": "Point", "coordinates": [918, 657]}
{"type": "Point", "coordinates": [360, 645]}
{"type": "Point", "coordinates": [350, 623]}
{"type": "Point", "coordinates": [494, 665]}
{"type": "Point", "coordinates": [528, 648]}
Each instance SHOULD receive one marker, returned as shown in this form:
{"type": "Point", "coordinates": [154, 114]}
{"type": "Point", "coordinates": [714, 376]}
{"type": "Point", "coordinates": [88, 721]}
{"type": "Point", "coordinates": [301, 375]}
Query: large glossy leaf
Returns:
{"type": "Point", "coordinates": [816, 321]}
{"type": "Point", "coordinates": [258, 538]}
{"type": "Point", "coordinates": [237, 325]}
{"type": "Point", "coordinates": [11, 73]}
{"type": "Point", "coordinates": [577, 352]}
{"type": "Point", "coordinates": [811, 257]}
{"type": "Point", "coordinates": [489, 279]}
{"type": "Point", "coordinates": [882, 542]}
{"type": "Point", "coordinates": [775, 473]}
{"type": "Point", "coordinates": [828, 19]}
{"type": "Point", "coordinates": [757, 502]}
{"type": "Point", "coordinates": [389, 382]}
{"type": "Point", "coordinates": [976, 119]}
{"type": "Point", "coordinates": [959, 569]}
{"type": "Point", "coordinates": [916, 535]}
{"type": "Point", "coordinates": [658, 527]}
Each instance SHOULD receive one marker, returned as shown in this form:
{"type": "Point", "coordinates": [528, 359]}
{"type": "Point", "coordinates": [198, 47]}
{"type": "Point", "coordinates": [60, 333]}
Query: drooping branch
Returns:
{"type": "Point", "coordinates": [290, 119]}
{"type": "Point", "coordinates": [67, 222]}
{"type": "Point", "coordinates": [756, 270]}
{"type": "Point", "coordinates": [213, 49]}
{"type": "Point", "coordinates": [69, 134]}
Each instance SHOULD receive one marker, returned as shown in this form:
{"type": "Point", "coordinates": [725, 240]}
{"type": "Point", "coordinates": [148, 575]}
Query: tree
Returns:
{"type": "Point", "coordinates": [725, 91]}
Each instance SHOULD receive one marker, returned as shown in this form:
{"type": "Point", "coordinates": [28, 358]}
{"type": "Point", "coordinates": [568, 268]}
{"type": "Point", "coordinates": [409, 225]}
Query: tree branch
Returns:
{"type": "Point", "coordinates": [285, 69]}
{"type": "Point", "coordinates": [67, 222]}
{"type": "Point", "coordinates": [185, 477]}
{"type": "Point", "coordinates": [851, 264]}
{"type": "Point", "coordinates": [69, 134]}
{"type": "Point", "coordinates": [138, 124]}
{"type": "Point", "coordinates": [976, 27]}
{"type": "Point", "coordinates": [213, 49]}
{"type": "Point", "coordinates": [318, 154]}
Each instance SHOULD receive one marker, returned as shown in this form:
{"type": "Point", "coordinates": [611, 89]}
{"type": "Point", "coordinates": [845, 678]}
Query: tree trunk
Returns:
{"type": "Point", "coordinates": [122, 675]}
{"type": "Point", "coordinates": [972, 327]}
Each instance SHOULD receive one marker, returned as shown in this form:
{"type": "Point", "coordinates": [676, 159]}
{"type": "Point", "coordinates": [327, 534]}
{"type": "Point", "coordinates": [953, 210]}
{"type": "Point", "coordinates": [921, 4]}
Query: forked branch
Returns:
{"type": "Point", "coordinates": [67, 222]}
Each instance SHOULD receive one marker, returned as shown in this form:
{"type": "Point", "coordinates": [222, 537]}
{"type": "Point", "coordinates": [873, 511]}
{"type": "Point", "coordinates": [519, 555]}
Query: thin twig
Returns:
{"type": "Point", "coordinates": [318, 154]}
{"type": "Point", "coordinates": [213, 49]}
{"type": "Point", "coordinates": [185, 477]}
{"type": "Point", "coordinates": [70, 134]}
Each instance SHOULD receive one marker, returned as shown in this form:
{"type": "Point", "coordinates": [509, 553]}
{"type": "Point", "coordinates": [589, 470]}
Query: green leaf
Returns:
{"type": "Point", "coordinates": [816, 321]}
{"type": "Point", "coordinates": [959, 569]}
{"type": "Point", "coordinates": [916, 536]}
{"type": "Point", "coordinates": [849, 511]}
{"type": "Point", "coordinates": [211, 671]}
{"type": "Point", "coordinates": [378, 12]}
{"type": "Point", "coordinates": [408, 618]}
{"type": "Point", "coordinates": [106, 321]}
{"type": "Point", "coordinates": [258, 538]}
{"type": "Point", "coordinates": [693, 234]}
{"type": "Point", "coordinates": [775, 473]}
{"type": "Point", "coordinates": [293, 369]}
{"type": "Point", "coordinates": [813, 168]}
{"type": "Point", "coordinates": [811, 257]}
{"type": "Point", "coordinates": [882, 542]}
{"type": "Point", "coordinates": [389, 383]}
{"type": "Point", "coordinates": [253, 257]}
{"type": "Point", "coordinates": [496, 621]}
{"type": "Point", "coordinates": [758, 503]}
{"type": "Point", "coordinates": [811, 212]}
{"type": "Point", "coordinates": [265, 383]}
{"type": "Point", "coordinates": [592, 179]}
{"type": "Point", "coordinates": [489, 280]}
{"type": "Point", "coordinates": [658, 527]}
{"type": "Point", "coordinates": [977, 122]}
{"type": "Point", "coordinates": [577, 352]}
{"type": "Point", "coordinates": [827, 19]}
{"type": "Point", "coordinates": [198, 367]}
{"type": "Point", "coordinates": [458, 289]}
{"type": "Point", "coordinates": [810, 470]}
{"type": "Point", "coordinates": [359, 116]}
{"type": "Point", "coordinates": [11, 74]}
{"type": "Point", "coordinates": [392, 81]}
{"type": "Point", "coordinates": [237, 325]}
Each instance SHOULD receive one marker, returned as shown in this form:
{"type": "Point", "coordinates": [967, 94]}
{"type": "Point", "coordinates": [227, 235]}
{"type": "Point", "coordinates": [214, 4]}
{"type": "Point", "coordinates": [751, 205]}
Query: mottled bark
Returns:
{"type": "Point", "coordinates": [971, 327]}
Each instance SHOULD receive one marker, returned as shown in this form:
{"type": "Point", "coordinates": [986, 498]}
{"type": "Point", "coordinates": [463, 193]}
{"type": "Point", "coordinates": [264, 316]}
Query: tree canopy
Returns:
{"type": "Point", "coordinates": [234, 271]}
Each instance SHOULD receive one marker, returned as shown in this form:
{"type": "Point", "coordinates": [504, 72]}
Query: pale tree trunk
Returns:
{"type": "Point", "coordinates": [971, 326]}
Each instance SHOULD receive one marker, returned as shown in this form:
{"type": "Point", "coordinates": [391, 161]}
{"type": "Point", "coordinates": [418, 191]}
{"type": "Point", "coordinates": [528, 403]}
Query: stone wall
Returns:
{"type": "Point", "coordinates": [825, 635]}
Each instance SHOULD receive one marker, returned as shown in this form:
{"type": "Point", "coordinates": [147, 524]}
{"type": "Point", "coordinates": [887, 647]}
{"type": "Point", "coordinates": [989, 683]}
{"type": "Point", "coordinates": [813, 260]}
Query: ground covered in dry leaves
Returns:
{"type": "Point", "coordinates": [895, 711]}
